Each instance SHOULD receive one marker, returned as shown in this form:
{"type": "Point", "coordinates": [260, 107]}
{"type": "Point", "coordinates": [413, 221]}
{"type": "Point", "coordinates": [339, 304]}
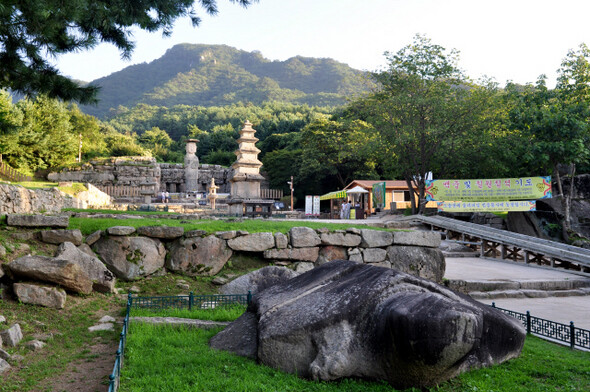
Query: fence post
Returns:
{"type": "Point", "coordinates": [249, 300]}
{"type": "Point", "coordinates": [190, 301]}
{"type": "Point", "coordinates": [111, 383]}
{"type": "Point", "coordinates": [528, 322]}
{"type": "Point", "coordinates": [493, 304]}
{"type": "Point", "coordinates": [572, 335]}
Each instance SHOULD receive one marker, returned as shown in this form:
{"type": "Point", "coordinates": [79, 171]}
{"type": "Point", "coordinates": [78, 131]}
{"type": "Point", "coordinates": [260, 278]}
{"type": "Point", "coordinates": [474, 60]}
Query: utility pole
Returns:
{"type": "Point", "coordinates": [291, 186]}
{"type": "Point", "coordinates": [80, 150]}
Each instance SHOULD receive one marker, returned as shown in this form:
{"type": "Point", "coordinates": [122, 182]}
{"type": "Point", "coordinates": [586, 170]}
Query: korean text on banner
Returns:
{"type": "Point", "coordinates": [499, 189]}
{"type": "Point", "coordinates": [489, 206]}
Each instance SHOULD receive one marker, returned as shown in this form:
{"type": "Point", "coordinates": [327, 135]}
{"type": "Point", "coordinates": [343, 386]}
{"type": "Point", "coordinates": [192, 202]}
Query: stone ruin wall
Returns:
{"type": "Point", "coordinates": [15, 199]}
{"type": "Point", "coordinates": [142, 172]}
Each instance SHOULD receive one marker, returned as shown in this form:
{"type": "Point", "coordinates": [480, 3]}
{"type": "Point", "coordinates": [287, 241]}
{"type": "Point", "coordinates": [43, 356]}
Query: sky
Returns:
{"type": "Point", "coordinates": [515, 40]}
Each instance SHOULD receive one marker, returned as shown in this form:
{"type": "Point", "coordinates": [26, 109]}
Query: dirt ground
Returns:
{"type": "Point", "coordinates": [85, 375]}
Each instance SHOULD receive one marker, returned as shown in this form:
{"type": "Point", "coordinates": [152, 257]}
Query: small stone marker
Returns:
{"type": "Point", "coordinates": [102, 327]}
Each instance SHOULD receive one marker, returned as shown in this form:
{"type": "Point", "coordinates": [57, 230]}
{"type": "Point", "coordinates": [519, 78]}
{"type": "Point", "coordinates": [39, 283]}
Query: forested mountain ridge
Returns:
{"type": "Point", "coordinates": [218, 75]}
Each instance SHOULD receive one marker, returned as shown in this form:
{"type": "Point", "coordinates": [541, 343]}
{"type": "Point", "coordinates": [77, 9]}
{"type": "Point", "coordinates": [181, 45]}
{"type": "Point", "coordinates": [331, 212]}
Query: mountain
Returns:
{"type": "Point", "coordinates": [217, 75]}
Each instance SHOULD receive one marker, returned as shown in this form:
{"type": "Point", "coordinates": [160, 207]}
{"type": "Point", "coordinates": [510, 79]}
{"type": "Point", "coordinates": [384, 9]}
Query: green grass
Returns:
{"type": "Point", "coordinates": [168, 358]}
{"type": "Point", "coordinates": [88, 226]}
{"type": "Point", "coordinates": [36, 184]}
{"type": "Point", "coordinates": [222, 313]}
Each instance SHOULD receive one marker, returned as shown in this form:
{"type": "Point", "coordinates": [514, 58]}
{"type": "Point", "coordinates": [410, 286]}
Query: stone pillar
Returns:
{"type": "Point", "coordinates": [191, 166]}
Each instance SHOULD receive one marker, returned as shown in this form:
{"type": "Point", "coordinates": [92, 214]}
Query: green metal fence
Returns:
{"type": "Point", "coordinates": [190, 302]}
{"type": "Point", "coordinates": [563, 333]}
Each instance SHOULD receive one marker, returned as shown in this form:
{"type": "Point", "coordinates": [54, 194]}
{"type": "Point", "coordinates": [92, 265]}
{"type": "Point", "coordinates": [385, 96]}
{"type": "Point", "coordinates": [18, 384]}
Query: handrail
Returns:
{"type": "Point", "coordinates": [12, 174]}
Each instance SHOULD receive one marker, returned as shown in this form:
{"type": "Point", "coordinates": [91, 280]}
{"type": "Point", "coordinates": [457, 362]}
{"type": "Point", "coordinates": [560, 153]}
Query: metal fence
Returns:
{"type": "Point", "coordinates": [189, 302]}
{"type": "Point", "coordinates": [563, 333]}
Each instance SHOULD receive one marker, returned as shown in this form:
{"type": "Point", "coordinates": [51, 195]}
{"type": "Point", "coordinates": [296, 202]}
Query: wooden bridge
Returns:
{"type": "Point", "coordinates": [508, 245]}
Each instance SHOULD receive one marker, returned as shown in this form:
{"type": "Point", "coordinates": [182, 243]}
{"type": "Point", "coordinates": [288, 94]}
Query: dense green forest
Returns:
{"type": "Point", "coordinates": [424, 115]}
{"type": "Point", "coordinates": [219, 75]}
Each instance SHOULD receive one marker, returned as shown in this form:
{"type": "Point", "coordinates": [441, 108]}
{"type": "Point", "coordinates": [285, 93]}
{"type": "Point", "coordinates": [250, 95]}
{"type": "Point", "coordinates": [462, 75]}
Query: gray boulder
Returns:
{"type": "Point", "coordinates": [103, 280]}
{"type": "Point", "coordinates": [60, 236]}
{"type": "Point", "coordinates": [130, 257]}
{"type": "Point", "coordinates": [281, 240]}
{"type": "Point", "coordinates": [50, 297]}
{"type": "Point", "coordinates": [345, 319]}
{"type": "Point", "coordinates": [256, 242]}
{"type": "Point", "coordinates": [293, 254]}
{"type": "Point", "coordinates": [92, 238]}
{"type": "Point", "coordinates": [330, 252]}
{"type": "Point", "coordinates": [304, 237]}
{"type": "Point", "coordinates": [121, 230]}
{"type": "Point", "coordinates": [430, 239]}
{"type": "Point", "coordinates": [375, 238]}
{"type": "Point", "coordinates": [258, 280]}
{"type": "Point", "coordinates": [4, 366]}
{"type": "Point", "coordinates": [37, 220]}
{"type": "Point", "coordinates": [12, 336]}
{"type": "Point", "coordinates": [341, 239]}
{"type": "Point", "coordinates": [65, 273]}
{"type": "Point", "coordinates": [198, 255]}
{"type": "Point", "coordinates": [374, 255]}
{"type": "Point", "coordinates": [427, 263]}
{"type": "Point", "coordinates": [162, 232]}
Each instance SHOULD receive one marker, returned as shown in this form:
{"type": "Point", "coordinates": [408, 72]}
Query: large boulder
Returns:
{"type": "Point", "coordinates": [65, 273]}
{"type": "Point", "coordinates": [258, 280]}
{"type": "Point", "coordinates": [255, 242]}
{"type": "Point", "coordinates": [427, 263]}
{"type": "Point", "coordinates": [103, 280]}
{"type": "Point", "coordinates": [199, 255]}
{"type": "Point", "coordinates": [130, 257]}
{"type": "Point", "coordinates": [345, 319]}
{"type": "Point", "coordinates": [50, 297]}
{"type": "Point", "coordinates": [61, 236]}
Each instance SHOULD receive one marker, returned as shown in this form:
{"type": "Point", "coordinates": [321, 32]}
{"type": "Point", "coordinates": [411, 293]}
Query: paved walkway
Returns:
{"type": "Point", "coordinates": [560, 309]}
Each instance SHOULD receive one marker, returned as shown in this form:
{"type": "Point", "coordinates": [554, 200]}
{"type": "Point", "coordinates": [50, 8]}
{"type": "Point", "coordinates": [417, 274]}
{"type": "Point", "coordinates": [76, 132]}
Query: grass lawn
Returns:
{"type": "Point", "coordinates": [168, 358]}
{"type": "Point", "coordinates": [88, 226]}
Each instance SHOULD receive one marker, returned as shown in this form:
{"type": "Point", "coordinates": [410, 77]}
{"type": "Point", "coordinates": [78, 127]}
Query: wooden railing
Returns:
{"type": "Point", "coordinates": [120, 190]}
{"type": "Point", "coordinates": [275, 194]}
{"type": "Point", "coordinates": [12, 174]}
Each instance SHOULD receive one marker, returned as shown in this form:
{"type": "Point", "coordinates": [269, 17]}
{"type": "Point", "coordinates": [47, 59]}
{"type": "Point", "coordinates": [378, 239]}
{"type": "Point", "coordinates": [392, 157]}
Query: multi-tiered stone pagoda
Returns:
{"type": "Point", "coordinates": [245, 181]}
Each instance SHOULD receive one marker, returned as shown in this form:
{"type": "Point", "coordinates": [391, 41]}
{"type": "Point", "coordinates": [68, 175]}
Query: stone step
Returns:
{"type": "Point", "coordinates": [528, 293]}
{"type": "Point", "coordinates": [460, 254]}
{"type": "Point", "coordinates": [468, 286]}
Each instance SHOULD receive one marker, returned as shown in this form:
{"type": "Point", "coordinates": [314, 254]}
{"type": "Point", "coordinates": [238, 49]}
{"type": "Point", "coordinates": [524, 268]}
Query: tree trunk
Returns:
{"type": "Point", "coordinates": [567, 199]}
{"type": "Point", "coordinates": [412, 194]}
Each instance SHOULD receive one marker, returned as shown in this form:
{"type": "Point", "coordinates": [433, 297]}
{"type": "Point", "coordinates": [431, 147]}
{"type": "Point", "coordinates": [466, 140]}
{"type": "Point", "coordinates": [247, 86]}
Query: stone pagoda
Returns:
{"type": "Point", "coordinates": [246, 178]}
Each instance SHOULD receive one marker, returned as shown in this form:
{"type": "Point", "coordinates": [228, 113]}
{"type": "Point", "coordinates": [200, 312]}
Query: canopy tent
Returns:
{"type": "Point", "coordinates": [334, 195]}
{"type": "Point", "coordinates": [356, 190]}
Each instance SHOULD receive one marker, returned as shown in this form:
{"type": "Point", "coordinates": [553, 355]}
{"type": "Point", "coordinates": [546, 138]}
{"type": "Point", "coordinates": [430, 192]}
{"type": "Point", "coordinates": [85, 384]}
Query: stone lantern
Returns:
{"type": "Point", "coordinates": [212, 193]}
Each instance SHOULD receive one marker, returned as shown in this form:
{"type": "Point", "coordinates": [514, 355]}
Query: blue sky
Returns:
{"type": "Point", "coordinates": [508, 40]}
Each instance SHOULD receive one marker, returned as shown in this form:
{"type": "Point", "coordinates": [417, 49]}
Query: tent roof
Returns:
{"type": "Point", "coordinates": [357, 189]}
{"type": "Point", "coordinates": [334, 195]}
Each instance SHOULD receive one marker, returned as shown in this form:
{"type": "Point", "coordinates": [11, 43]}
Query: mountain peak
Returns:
{"type": "Point", "coordinates": [217, 75]}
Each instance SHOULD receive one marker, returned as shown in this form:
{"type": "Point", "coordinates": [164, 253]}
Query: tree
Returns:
{"type": "Point", "coordinates": [157, 141]}
{"type": "Point", "coordinates": [556, 122]}
{"type": "Point", "coordinates": [31, 31]}
{"type": "Point", "coordinates": [341, 150]}
{"type": "Point", "coordinates": [424, 108]}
